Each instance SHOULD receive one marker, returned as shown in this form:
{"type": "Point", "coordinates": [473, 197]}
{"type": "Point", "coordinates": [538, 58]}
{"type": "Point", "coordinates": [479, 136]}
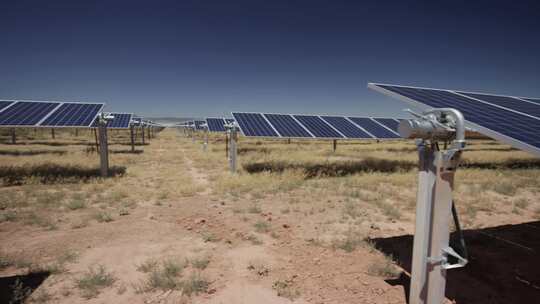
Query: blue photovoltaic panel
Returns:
{"type": "Point", "coordinates": [317, 126]}
{"type": "Point", "coordinates": [73, 115]}
{"type": "Point", "coordinates": [26, 113]}
{"type": "Point", "coordinates": [4, 103]}
{"type": "Point", "coordinates": [373, 127]}
{"type": "Point", "coordinates": [513, 128]}
{"type": "Point", "coordinates": [535, 100]}
{"type": "Point", "coordinates": [346, 127]}
{"type": "Point", "coordinates": [508, 102]}
{"type": "Point", "coordinates": [229, 120]}
{"type": "Point", "coordinates": [199, 124]}
{"type": "Point", "coordinates": [287, 126]}
{"type": "Point", "coordinates": [254, 124]}
{"type": "Point", "coordinates": [120, 121]}
{"type": "Point", "coordinates": [216, 124]}
{"type": "Point", "coordinates": [391, 123]}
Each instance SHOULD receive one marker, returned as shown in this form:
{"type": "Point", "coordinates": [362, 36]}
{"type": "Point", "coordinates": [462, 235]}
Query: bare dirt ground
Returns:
{"type": "Point", "coordinates": [298, 223]}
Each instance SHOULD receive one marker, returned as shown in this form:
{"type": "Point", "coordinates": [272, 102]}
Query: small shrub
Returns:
{"type": "Point", "coordinates": [76, 204]}
{"type": "Point", "coordinates": [385, 269]}
{"type": "Point", "coordinates": [195, 284]}
{"type": "Point", "coordinates": [94, 280]}
{"type": "Point", "coordinates": [254, 209]}
{"type": "Point", "coordinates": [200, 263]}
{"type": "Point", "coordinates": [262, 226]}
{"type": "Point", "coordinates": [103, 217]}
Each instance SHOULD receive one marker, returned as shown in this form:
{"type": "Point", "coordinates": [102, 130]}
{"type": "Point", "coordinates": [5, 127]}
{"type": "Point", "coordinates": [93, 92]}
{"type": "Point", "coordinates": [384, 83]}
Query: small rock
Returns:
{"type": "Point", "coordinates": [286, 226]}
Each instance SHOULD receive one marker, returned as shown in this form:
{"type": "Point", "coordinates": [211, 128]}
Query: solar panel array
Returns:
{"type": "Point", "coordinates": [513, 120]}
{"type": "Point", "coordinates": [315, 126]}
{"type": "Point", "coordinates": [48, 114]}
{"type": "Point", "coordinates": [199, 124]}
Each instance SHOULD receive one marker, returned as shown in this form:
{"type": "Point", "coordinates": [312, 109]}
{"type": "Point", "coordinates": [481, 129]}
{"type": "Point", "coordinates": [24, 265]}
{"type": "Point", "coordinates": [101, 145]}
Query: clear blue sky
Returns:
{"type": "Point", "coordinates": [206, 58]}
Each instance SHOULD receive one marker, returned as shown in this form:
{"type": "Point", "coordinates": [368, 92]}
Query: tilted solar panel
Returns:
{"type": "Point", "coordinates": [287, 126]}
{"type": "Point", "coordinates": [511, 103]}
{"type": "Point", "coordinates": [254, 124]}
{"type": "Point", "coordinates": [373, 127]}
{"type": "Point", "coordinates": [535, 100]}
{"type": "Point", "coordinates": [26, 113]}
{"type": "Point", "coordinates": [318, 127]}
{"type": "Point", "coordinates": [216, 124]}
{"type": "Point", "coordinates": [347, 128]}
{"type": "Point", "coordinates": [199, 124]}
{"type": "Point", "coordinates": [518, 130]}
{"type": "Point", "coordinates": [73, 115]}
{"type": "Point", "coordinates": [4, 103]}
{"type": "Point", "coordinates": [229, 120]}
{"type": "Point", "coordinates": [119, 121]}
{"type": "Point", "coordinates": [390, 123]}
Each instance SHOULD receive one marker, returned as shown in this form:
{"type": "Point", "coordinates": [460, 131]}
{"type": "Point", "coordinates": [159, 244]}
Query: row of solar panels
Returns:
{"type": "Point", "coordinates": [316, 126]}
{"type": "Point", "coordinates": [510, 119]}
{"type": "Point", "coordinates": [55, 114]}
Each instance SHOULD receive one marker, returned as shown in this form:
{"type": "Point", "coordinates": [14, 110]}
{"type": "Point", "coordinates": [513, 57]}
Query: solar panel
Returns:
{"type": "Point", "coordinates": [346, 127]}
{"type": "Point", "coordinates": [373, 127]}
{"type": "Point", "coordinates": [390, 123]}
{"type": "Point", "coordinates": [512, 127]}
{"type": "Point", "coordinates": [229, 120]}
{"type": "Point", "coordinates": [511, 103]}
{"type": "Point", "coordinates": [287, 126]}
{"type": "Point", "coordinates": [72, 115]}
{"type": "Point", "coordinates": [4, 103]}
{"type": "Point", "coordinates": [199, 124]}
{"type": "Point", "coordinates": [26, 113]}
{"type": "Point", "coordinates": [216, 124]}
{"type": "Point", "coordinates": [537, 101]}
{"type": "Point", "coordinates": [119, 121]}
{"type": "Point", "coordinates": [254, 124]}
{"type": "Point", "coordinates": [318, 127]}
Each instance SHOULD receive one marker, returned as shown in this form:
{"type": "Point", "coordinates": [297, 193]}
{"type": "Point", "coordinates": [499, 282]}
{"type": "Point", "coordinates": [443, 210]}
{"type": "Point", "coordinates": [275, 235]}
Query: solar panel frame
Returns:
{"type": "Point", "coordinates": [375, 128]}
{"type": "Point", "coordinates": [484, 130]}
{"type": "Point", "coordinates": [4, 104]}
{"type": "Point", "coordinates": [382, 120]}
{"type": "Point", "coordinates": [507, 102]}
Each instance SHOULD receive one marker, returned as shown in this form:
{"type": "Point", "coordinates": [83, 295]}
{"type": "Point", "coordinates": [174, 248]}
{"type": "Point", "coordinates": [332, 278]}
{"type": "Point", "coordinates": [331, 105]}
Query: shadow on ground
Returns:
{"type": "Point", "coordinates": [31, 153]}
{"type": "Point", "coordinates": [331, 169]}
{"type": "Point", "coordinates": [126, 151]}
{"type": "Point", "coordinates": [16, 289]}
{"type": "Point", "coordinates": [52, 173]}
{"type": "Point", "coordinates": [503, 265]}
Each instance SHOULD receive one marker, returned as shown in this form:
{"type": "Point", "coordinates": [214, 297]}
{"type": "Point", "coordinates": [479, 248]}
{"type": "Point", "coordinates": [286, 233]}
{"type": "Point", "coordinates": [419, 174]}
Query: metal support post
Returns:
{"type": "Point", "coordinates": [142, 129]}
{"type": "Point", "coordinates": [132, 136]}
{"type": "Point", "coordinates": [335, 145]}
{"type": "Point", "coordinates": [233, 150]}
{"type": "Point", "coordinates": [52, 133]}
{"type": "Point", "coordinates": [434, 201]}
{"type": "Point", "coordinates": [104, 149]}
{"type": "Point", "coordinates": [97, 141]}
{"type": "Point", "coordinates": [227, 144]}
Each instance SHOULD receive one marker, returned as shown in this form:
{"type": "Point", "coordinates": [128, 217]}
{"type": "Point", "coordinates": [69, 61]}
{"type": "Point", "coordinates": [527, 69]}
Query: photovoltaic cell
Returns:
{"type": "Point", "coordinates": [508, 102]}
{"type": "Point", "coordinates": [216, 124]}
{"type": "Point", "coordinates": [26, 113]}
{"type": "Point", "coordinates": [287, 126]}
{"type": "Point", "coordinates": [4, 103]}
{"type": "Point", "coordinates": [120, 121]}
{"type": "Point", "coordinates": [73, 115]}
{"type": "Point", "coordinates": [317, 126]}
{"type": "Point", "coordinates": [373, 127]}
{"type": "Point", "coordinates": [347, 128]}
{"type": "Point", "coordinates": [254, 124]}
{"type": "Point", "coordinates": [535, 100]}
{"type": "Point", "coordinates": [199, 124]}
{"type": "Point", "coordinates": [508, 126]}
{"type": "Point", "coordinates": [389, 122]}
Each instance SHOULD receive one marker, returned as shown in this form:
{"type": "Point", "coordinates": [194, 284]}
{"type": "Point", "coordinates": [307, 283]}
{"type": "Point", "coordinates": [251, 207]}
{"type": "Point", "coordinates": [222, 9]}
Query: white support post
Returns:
{"type": "Point", "coordinates": [233, 150]}
{"type": "Point", "coordinates": [13, 136]}
{"type": "Point", "coordinates": [434, 202]}
{"type": "Point", "coordinates": [104, 149]}
{"type": "Point", "coordinates": [142, 129]}
{"type": "Point", "coordinates": [205, 144]}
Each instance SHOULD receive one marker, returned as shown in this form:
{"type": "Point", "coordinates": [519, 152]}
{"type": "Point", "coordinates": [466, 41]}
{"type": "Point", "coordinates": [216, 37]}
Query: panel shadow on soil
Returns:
{"type": "Point", "coordinates": [504, 264]}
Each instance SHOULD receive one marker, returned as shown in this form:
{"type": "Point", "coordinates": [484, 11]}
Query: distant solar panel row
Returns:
{"type": "Point", "coordinates": [47, 114]}
{"type": "Point", "coordinates": [199, 124]}
{"type": "Point", "coordinates": [313, 126]}
{"type": "Point", "coordinates": [506, 118]}
{"type": "Point", "coordinates": [215, 124]}
{"type": "Point", "coordinates": [119, 120]}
